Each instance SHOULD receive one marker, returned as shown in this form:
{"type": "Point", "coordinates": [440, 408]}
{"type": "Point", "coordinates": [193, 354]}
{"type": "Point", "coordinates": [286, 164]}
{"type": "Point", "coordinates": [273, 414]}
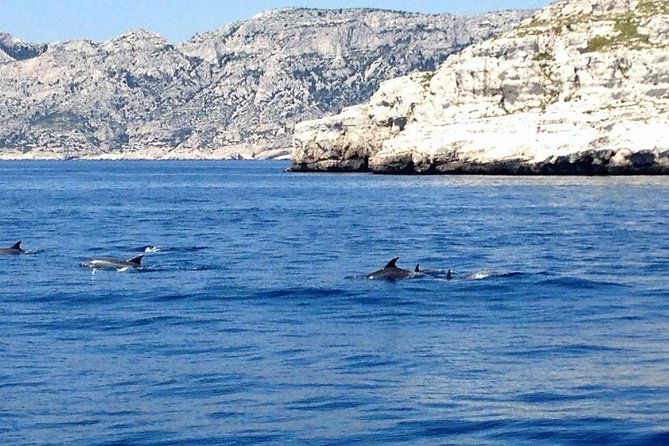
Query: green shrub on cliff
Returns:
{"type": "Point", "coordinates": [627, 29]}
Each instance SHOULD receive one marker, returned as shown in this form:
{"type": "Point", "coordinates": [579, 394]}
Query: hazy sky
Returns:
{"type": "Point", "coordinates": [177, 20]}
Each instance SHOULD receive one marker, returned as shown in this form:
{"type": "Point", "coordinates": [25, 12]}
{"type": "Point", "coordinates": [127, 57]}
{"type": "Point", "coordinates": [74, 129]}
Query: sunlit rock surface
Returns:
{"type": "Point", "coordinates": [580, 88]}
{"type": "Point", "coordinates": [232, 93]}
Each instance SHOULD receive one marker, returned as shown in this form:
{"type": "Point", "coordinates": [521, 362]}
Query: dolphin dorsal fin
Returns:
{"type": "Point", "coordinates": [391, 264]}
{"type": "Point", "coordinates": [17, 245]}
{"type": "Point", "coordinates": [417, 270]}
{"type": "Point", "coordinates": [136, 260]}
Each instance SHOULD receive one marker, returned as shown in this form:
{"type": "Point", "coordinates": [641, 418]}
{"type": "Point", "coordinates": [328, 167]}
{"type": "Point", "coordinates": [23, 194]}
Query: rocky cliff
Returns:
{"type": "Point", "coordinates": [580, 88]}
{"type": "Point", "coordinates": [232, 93]}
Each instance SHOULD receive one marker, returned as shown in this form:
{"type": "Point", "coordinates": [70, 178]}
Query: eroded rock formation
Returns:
{"type": "Point", "coordinates": [580, 88]}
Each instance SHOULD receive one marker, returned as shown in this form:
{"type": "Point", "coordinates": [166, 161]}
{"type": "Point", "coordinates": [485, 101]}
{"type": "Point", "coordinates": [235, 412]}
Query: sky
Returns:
{"type": "Point", "coordinates": [42, 21]}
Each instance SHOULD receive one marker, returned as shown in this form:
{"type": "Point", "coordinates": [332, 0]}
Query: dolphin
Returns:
{"type": "Point", "coordinates": [392, 272]}
{"type": "Point", "coordinates": [13, 250]}
{"type": "Point", "coordinates": [434, 273]}
{"type": "Point", "coordinates": [118, 265]}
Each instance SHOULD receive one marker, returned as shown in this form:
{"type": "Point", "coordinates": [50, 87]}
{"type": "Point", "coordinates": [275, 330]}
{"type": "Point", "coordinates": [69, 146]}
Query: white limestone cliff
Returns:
{"type": "Point", "coordinates": [580, 88]}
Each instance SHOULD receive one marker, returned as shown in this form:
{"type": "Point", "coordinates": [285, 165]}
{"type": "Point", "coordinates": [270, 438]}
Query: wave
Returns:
{"type": "Point", "coordinates": [441, 274]}
{"type": "Point", "coordinates": [357, 277]}
{"type": "Point", "coordinates": [485, 274]}
{"type": "Point", "coordinates": [147, 248]}
{"type": "Point", "coordinates": [33, 252]}
{"type": "Point", "coordinates": [565, 350]}
{"type": "Point", "coordinates": [542, 279]}
{"type": "Point", "coordinates": [504, 430]}
{"type": "Point", "coordinates": [163, 268]}
{"type": "Point", "coordinates": [307, 292]}
{"type": "Point", "coordinates": [157, 248]}
{"type": "Point", "coordinates": [579, 283]}
{"type": "Point", "coordinates": [148, 268]}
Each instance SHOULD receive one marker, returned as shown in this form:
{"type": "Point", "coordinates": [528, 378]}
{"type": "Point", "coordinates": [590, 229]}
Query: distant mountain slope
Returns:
{"type": "Point", "coordinates": [15, 49]}
{"type": "Point", "coordinates": [232, 93]}
{"type": "Point", "coordinates": [581, 88]}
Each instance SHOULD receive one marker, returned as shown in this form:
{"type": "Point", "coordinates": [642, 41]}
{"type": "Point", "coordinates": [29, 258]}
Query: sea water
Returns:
{"type": "Point", "coordinates": [252, 322]}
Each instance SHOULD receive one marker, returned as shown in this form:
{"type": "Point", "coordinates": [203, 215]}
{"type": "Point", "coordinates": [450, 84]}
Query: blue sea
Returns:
{"type": "Point", "coordinates": [252, 321]}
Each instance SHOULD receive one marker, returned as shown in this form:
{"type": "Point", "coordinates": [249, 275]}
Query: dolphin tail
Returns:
{"type": "Point", "coordinates": [16, 245]}
{"type": "Point", "coordinates": [391, 264]}
{"type": "Point", "coordinates": [136, 260]}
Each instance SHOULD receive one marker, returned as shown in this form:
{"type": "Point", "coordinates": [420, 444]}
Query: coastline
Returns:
{"type": "Point", "coordinates": [136, 156]}
{"type": "Point", "coordinates": [595, 163]}
{"type": "Point", "coordinates": [589, 163]}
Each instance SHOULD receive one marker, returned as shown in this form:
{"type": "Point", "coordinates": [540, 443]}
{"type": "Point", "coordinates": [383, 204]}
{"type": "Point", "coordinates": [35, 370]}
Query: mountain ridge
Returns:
{"type": "Point", "coordinates": [235, 92]}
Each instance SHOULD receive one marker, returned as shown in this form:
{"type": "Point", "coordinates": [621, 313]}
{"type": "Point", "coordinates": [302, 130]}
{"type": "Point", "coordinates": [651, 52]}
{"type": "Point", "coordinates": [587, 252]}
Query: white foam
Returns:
{"type": "Point", "coordinates": [154, 249]}
{"type": "Point", "coordinates": [480, 275]}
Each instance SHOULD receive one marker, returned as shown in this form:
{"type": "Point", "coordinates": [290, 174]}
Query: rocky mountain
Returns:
{"type": "Point", "coordinates": [12, 48]}
{"type": "Point", "coordinates": [580, 88]}
{"type": "Point", "coordinates": [232, 93]}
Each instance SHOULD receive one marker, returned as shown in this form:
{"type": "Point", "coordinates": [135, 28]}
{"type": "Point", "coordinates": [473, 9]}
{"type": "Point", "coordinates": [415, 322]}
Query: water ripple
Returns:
{"type": "Point", "coordinates": [250, 322]}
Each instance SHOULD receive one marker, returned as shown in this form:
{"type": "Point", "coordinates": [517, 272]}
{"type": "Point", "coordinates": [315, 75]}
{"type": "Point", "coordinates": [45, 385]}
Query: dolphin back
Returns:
{"type": "Point", "coordinates": [392, 263]}
{"type": "Point", "coordinates": [136, 260]}
{"type": "Point", "coordinates": [14, 249]}
{"type": "Point", "coordinates": [391, 271]}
